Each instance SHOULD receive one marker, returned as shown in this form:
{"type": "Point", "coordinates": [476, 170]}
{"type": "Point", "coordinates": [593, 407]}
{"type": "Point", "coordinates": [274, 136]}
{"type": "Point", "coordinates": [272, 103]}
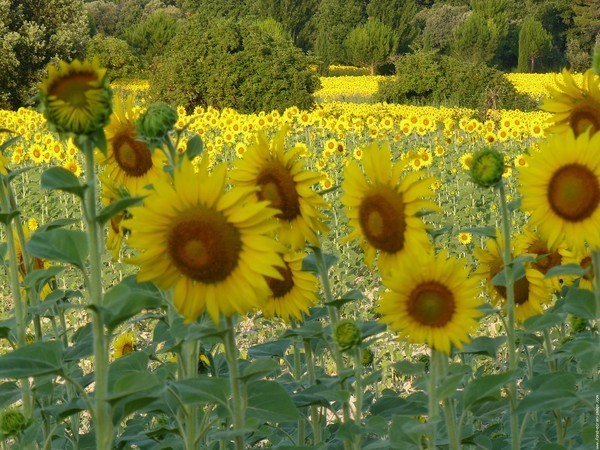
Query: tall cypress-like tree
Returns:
{"type": "Point", "coordinates": [370, 44]}
{"type": "Point", "coordinates": [534, 42]}
{"type": "Point", "coordinates": [334, 19]}
{"type": "Point", "coordinates": [475, 40]}
{"type": "Point", "coordinates": [34, 33]}
{"type": "Point", "coordinates": [399, 16]}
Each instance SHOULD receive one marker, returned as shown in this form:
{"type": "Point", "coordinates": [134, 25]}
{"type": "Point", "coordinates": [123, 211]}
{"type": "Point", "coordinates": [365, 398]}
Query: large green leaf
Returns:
{"type": "Point", "coordinates": [270, 402]}
{"type": "Point", "coordinates": [486, 388]}
{"type": "Point", "coordinates": [116, 207]}
{"type": "Point", "coordinates": [203, 390]}
{"type": "Point", "coordinates": [127, 299]}
{"type": "Point", "coordinates": [9, 393]}
{"type": "Point", "coordinates": [32, 360]}
{"type": "Point", "coordinates": [62, 179]}
{"type": "Point", "coordinates": [484, 345]}
{"type": "Point", "coordinates": [38, 278]}
{"type": "Point", "coordinates": [259, 369]}
{"type": "Point", "coordinates": [58, 244]}
{"type": "Point", "coordinates": [582, 303]}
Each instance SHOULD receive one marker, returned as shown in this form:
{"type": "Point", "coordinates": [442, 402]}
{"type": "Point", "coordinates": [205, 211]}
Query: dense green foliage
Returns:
{"type": "Point", "coordinates": [32, 34]}
{"type": "Point", "coordinates": [534, 41]}
{"type": "Point", "coordinates": [114, 54]}
{"type": "Point", "coordinates": [428, 78]}
{"type": "Point", "coordinates": [233, 65]}
{"type": "Point", "coordinates": [370, 44]}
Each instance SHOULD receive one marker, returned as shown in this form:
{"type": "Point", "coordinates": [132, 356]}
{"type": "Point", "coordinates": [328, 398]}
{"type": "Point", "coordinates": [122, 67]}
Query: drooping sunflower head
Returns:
{"type": "Point", "coordinates": [574, 107]}
{"type": "Point", "coordinates": [530, 291]}
{"type": "Point", "coordinates": [129, 161]}
{"type": "Point", "coordinates": [382, 205]}
{"type": "Point", "coordinates": [76, 97]}
{"type": "Point", "coordinates": [280, 178]}
{"type": "Point", "coordinates": [293, 293]}
{"type": "Point", "coordinates": [561, 190]}
{"type": "Point", "coordinates": [433, 300]}
{"type": "Point", "coordinates": [214, 248]}
{"type": "Point", "coordinates": [124, 344]}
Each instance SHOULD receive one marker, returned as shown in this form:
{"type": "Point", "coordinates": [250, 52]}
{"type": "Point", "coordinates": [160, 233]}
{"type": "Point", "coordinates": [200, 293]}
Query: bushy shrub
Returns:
{"type": "Point", "coordinates": [114, 54]}
{"type": "Point", "coordinates": [233, 65]}
{"type": "Point", "coordinates": [428, 78]}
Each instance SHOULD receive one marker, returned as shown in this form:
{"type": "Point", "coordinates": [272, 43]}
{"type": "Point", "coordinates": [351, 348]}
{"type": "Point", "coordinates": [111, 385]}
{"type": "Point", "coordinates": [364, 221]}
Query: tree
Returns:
{"type": "Point", "coordinates": [151, 36]}
{"type": "Point", "coordinates": [216, 9]}
{"type": "Point", "coordinates": [232, 64]}
{"type": "Point", "coordinates": [103, 17]}
{"type": "Point", "coordinates": [333, 20]}
{"type": "Point", "coordinates": [476, 40]}
{"type": "Point", "coordinates": [370, 44]}
{"type": "Point", "coordinates": [294, 15]}
{"type": "Point", "coordinates": [439, 24]}
{"type": "Point", "coordinates": [399, 16]}
{"type": "Point", "coordinates": [34, 33]}
{"type": "Point", "coordinates": [114, 54]}
{"type": "Point", "coordinates": [534, 42]}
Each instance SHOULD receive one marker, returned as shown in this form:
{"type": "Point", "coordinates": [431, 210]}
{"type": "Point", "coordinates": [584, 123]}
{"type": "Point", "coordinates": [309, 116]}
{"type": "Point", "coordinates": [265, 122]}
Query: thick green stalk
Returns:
{"type": "Point", "coordinates": [433, 402]}
{"type": "Point", "coordinates": [358, 393]}
{"type": "Point", "coordinates": [190, 364]}
{"type": "Point", "coordinates": [510, 304]}
{"type": "Point", "coordinates": [20, 305]}
{"type": "Point", "coordinates": [103, 424]}
{"type": "Point", "coordinates": [315, 416]}
{"type": "Point", "coordinates": [298, 378]}
{"type": "Point", "coordinates": [231, 354]}
{"type": "Point", "coordinates": [596, 269]}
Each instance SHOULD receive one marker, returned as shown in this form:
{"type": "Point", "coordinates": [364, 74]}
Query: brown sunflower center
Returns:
{"type": "Point", "coordinates": [133, 157]}
{"type": "Point", "coordinates": [203, 245]}
{"type": "Point", "coordinates": [279, 188]}
{"type": "Point", "coordinates": [72, 89]}
{"type": "Point", "coordinates": [584, 117]}
{"type": "Point", "coordinates": [585, 264]}
{"type": "Point", "coordinates": [521, 290]}
{"type": "Point", "coordinates": [574, 192]}
{"type": "Point", "coordinates": [127, 348]}
{"type": "Point", "coordinates": [279, 288]}
{"type": "Point", "coordinates": [431, 304]}
{"type": "Point", "coordinates": [382, 219]}
{"type": "Point", "coordinates": [546, 262]}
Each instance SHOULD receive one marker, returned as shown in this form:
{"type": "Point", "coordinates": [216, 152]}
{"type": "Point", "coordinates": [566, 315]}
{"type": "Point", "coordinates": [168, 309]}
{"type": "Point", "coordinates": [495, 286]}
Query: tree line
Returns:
{"type": "Point", "coordinates": [135, 37]}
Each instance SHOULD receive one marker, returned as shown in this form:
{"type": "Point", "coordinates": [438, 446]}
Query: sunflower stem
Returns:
{"type": "Point", "coordinates": [103, 424]}
{"type": "Point", "coordinates": [432, 393]}
{"type": "Point", "coordinates": [298, 377]}
{"type": "Point", "coordinates": [231, 354]}
{"type": "Point", "coordinates": [19, 304]}
{"type": "Point", "coordinates": [596, 269]}
{"type": "Point", "coordinates": [335, 318]}
{"type": "Point", "coordinates": [510, 304]}
{"type": "Point", "coordinates": [315, 416]}
{"type": "Point", "coordinates": [190, 364]}
{"type": "Point", "coordinates": [358, 393]}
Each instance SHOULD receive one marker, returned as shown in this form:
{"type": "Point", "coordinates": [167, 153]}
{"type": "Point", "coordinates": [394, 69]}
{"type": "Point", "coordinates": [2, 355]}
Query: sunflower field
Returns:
{"type": "Point", "coordinates": [359, 276]}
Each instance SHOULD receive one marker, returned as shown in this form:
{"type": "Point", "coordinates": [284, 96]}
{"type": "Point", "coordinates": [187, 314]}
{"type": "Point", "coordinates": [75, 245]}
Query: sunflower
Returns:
{"type": "Point", "coordinates": [584, 260]}
{"type": "Point", "coordinates": [110, 194]}
{"type": "Point", "coordinates": [561, 189]}
{"type": "Point", "coordinates": [279, 177]}
{"type": "Point", "coordinates": [576, 108]}
{"type": "Point", "coordinates": [432, 300]}
{"type": "Point", "coordinates": [214, 248]}
{"type": "Point", "coordinates": [530, 292]}
{"type": "Point", "coordinates": [76, 97]}
{"type": "Point", "coordinates": [383, 206]}
{"type": "Point", "coordinates": [465, 238]}
{"type": "Point", "coordinates": [129, 161]}
{"type": "Point", "coordinates": [36, 264]}
{"type": "Point", "coordinates": [292, 295]}
{"type": "Point", "coordinates": [124, 343]}
{"type": "Point", "coordinates": [530, 242]}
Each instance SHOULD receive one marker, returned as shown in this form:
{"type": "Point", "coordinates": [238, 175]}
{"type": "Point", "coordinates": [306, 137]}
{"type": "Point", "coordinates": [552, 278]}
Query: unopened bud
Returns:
{"type": "Point", "coordinates": [487, 167]}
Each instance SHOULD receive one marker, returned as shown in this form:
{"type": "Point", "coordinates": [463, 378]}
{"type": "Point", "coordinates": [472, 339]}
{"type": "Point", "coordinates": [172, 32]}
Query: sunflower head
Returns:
{"type": "Point", "coordinates": [156, 122]}
{"type": "Point", "coordinates": [124, 343]}
{"type": "Point", "coordinates": [487, 167]}
{"type": "Point", "coordinates": [76, 97]}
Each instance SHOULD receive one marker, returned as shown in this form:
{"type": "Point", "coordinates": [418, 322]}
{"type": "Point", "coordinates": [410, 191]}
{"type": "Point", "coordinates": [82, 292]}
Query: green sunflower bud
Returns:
{"type": "Point", "coordinates": [578, 324]}
{"type": "Point", "coordinates": [156, 122]}
{"type": "Point", "coordinates": [366, 357]}
{"type": "Point", "coordinates": [487, 167]}
{"type": "Point", "coordinates": [347, 334]}
{"type": "Point", "coordinates": [12, 422]}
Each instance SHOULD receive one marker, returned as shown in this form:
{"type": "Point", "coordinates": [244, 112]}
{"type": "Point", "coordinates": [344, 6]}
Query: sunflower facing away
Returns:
{"type": "Point", "coordinates": [292, 295]}
{"type": "Point", "coordinates": [382, 205]}
{"type": "Point", "coordinates": [576, 108]}
{"type": "Point", "coordinates": [129, 162]}
{"type": "Point", "coordinates": [561, 190]}
{"type": "Point", "coordinates": [432, 300]}
{"type": "Point", "coordinates": [283, 182]}
{"type": "Point", "coordinates": [76, 97]}
{"type": "Point", "coordinates": [531, 291]}
{"type": "Point", "coordinates": [214, 248]}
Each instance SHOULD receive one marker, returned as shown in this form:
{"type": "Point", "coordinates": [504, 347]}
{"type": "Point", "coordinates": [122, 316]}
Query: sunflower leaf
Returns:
{"type": "Point", "coordinates": [63, 180]}
{"type": "Point", "coordinates": [480, 231]}
{"type": "Point", "coordinates": [68, 246]}
{"type": "Point", "coordinates": [582, 303]}
{"type": "Point", "coordinates": [116, 207]}
{"type": "Point", "coordinates": [566, 269]}
{"type": "Point", "coordinates": [32, 360]}
{"type": "Point", "coordinates": [518, 273]}
{"type": "Point", "coordinates": [194, 147]}
{"type": "Point", "coordinates": [14, 173]}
